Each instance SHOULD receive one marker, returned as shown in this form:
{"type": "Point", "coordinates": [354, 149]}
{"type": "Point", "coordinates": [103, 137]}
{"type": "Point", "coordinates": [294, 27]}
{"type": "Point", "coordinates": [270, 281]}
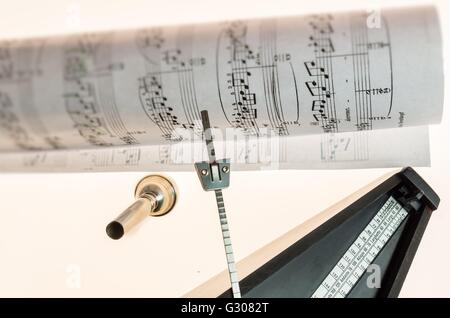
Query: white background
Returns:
{"type": "Point", "coordinates": [52, 225]}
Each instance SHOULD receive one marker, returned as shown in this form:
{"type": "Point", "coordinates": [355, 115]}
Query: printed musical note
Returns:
{"type": "Point", "coordinates": [322, 45]}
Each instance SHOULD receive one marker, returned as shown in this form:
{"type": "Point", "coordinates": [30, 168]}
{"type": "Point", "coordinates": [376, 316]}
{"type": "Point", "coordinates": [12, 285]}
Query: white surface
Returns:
{"type": "Point", "coordinates": [54, 223]}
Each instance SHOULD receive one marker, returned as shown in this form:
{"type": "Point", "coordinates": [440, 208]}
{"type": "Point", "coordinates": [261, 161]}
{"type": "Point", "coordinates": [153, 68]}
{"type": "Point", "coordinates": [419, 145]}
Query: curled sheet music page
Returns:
{"type": "Point", "coordinates": [329, 87]}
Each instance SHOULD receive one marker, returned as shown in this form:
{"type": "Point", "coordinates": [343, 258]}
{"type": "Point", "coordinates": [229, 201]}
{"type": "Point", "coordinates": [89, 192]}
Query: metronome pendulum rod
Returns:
{"type": "Point", "coordinates": [215, 175]}
{"type": "Point", "coordinates": [234, 280]}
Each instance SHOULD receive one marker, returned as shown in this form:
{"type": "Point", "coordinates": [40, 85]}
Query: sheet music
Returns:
{"type": "Point", "coordinates": [107, 100]}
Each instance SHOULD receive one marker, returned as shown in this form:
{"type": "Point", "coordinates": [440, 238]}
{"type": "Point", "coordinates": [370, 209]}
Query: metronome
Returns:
{"type": "Point", "coordinates": [362, 250]}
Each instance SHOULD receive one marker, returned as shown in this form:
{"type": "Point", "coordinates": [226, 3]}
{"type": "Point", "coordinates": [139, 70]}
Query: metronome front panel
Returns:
{"type": "Point", "coordinates": [377, 236]}
{"type": "Point", "coordinates": [363, 250]}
